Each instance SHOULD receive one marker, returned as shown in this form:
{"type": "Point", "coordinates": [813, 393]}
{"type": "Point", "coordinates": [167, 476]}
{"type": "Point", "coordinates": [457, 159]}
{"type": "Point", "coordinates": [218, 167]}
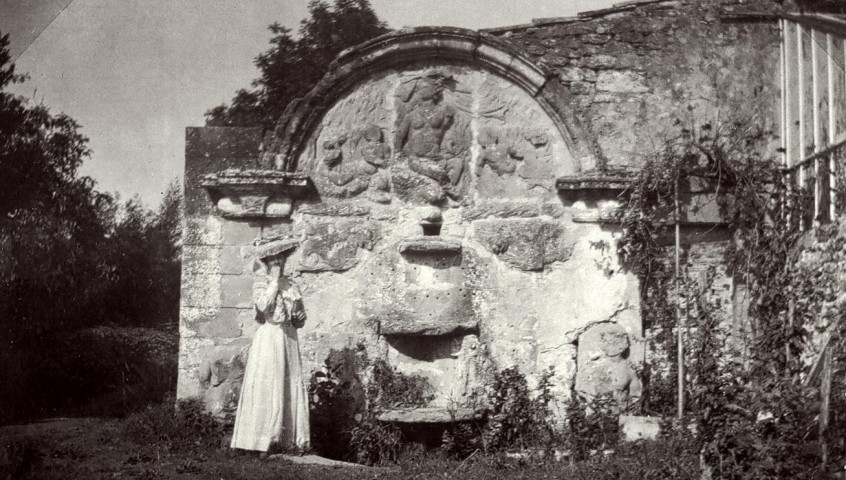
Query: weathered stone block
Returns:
{"type": "Point", "coordinates": [581, 88]}
{"type": "Point", "coordinates": [276, 228]}
{"type": "Point", "coordinates": [621, 81]}
{"type": "Point", "coordinates": [603, 364]}
{"type": "Point", "coordinates": [254, 193]}
{"type": "Point", "coordinates": [554, 210]}
{"type": "Point", "coordinates": [191, 319]}
{"type": "Point", "coordinates": [225, 324]}
{"type": "Point", "coordinates": [250, 206]}
{"type": "Point", "coordinates": [416, 189]}
{"type": "Point", "coordinates": [595, 38]}
{"type": "Point", "coordinates": [334, 246]}
{"type": "Point", "coordinates": [237, 291]}
{"type": "Point", "coordinates": [201, 290]}
{"type": "Point", "coordinates": [432, 244]}
{"type": "Point", "coordinates": [500, 210]}
{"type": "Point", "coordinates": [600, 62]}
{"type": "Point", "coordinates": [524, 244]}
{"type": "Point", "coordinates": [430, 415]}
{"type": "Point", "coordinates": [634, 427]}
{"type": "Point", "coordinates": [233, 261]}
{"type": "Point", "coordinates": [220, 378]}
{"type": "Point", "coordinates": [431, 311]}
{"type": "Point", "coordinates": [192, 351]}
{"type": "Point", "coordinates": [629, 36]}
{"type": "Point", "coordinates": [334, 210]}
{"type": "Point", "coordinates": [200, 259]}
{"type": "Point", "coordinates": [576, 74]}
{"type": "Point", "coordinates": [203, 230]}
{"type": "Point", "coordinates": [240, 232]}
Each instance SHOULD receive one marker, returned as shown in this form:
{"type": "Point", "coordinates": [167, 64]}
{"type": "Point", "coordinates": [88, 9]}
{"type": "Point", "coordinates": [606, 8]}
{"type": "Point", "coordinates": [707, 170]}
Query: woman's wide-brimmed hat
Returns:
{"type": "Point", "coordinates": [269, 248]}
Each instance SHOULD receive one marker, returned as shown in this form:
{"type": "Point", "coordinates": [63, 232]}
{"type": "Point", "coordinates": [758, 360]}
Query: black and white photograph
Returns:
{"type": "Point", "coordinates": [423, 239]}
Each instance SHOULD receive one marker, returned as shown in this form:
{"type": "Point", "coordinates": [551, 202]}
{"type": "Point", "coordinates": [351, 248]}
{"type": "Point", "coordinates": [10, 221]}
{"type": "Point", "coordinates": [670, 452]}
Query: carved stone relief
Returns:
{"type": "Point", "coordinates": [221, 380]}
{"type": "Point", "coordinates": [350, 161]}
{"type": "Point", "coordinates": [431, 135]}
{"type": "Point", "coordinates": [519, 146]}
{"type": "Point", "coordinates": [604, 366]}
{"type": "Point", "coordinates": [530, 244]}
{"type": "Point", "coordinates": [351, 146]}
{"type": "Point", "coordinates": [333, 246]}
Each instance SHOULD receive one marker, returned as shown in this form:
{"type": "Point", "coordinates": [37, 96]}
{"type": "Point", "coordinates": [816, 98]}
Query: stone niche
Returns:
{"type": "Point", "coordinates": [421, 182]}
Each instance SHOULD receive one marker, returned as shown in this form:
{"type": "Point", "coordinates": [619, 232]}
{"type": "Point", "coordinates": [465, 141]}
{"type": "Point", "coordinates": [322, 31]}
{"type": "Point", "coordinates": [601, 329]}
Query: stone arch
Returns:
{"type": "Point", "coordinates": [287, 141]}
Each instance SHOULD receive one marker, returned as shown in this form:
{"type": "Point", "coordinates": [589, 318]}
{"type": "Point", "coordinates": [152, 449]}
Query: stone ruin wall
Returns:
{"type": "Point", "coordinates": [634, 71]}
{"type": "Point", "coordinates": [512, 299]}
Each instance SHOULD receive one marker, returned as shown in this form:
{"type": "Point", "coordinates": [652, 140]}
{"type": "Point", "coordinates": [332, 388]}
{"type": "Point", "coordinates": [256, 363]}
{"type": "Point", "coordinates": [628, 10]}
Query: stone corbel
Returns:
{"type": "Point", "coordinates": [254, 193]}
{"type": "Point", "coordinates": [594, 198]}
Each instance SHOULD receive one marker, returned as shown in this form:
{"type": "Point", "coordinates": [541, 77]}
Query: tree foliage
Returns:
{"type": "Point", "coordinates": [71, 256]}
{"type": "Point", "coordinates": [291, 67]}
{"type": "Point", "coordinates": [142, 256]}
{"type": "Point", "coordinates": [50, 219]}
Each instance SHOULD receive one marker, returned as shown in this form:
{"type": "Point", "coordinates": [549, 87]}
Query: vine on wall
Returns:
{"type": "Point", "coordinates": [753, 417]}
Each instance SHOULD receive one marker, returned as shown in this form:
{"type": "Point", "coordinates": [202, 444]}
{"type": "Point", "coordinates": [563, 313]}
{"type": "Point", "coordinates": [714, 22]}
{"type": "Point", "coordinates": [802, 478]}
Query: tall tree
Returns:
{"type": "Point", "coordinates": [50, 228]}
{"type": "Point", "coordinates": [70, 256]}
{"type": "Point", "coordinates": [291, 67]}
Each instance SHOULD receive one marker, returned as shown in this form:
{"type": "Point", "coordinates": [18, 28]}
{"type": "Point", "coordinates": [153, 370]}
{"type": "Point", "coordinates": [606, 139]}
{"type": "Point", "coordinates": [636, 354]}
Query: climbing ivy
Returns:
{"type": "Point", "coordinates": [753, 417]}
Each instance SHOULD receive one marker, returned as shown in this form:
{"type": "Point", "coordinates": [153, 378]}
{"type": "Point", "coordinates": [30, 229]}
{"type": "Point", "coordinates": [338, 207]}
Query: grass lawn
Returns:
{"type": "Point", "coordinates": [93, 448]}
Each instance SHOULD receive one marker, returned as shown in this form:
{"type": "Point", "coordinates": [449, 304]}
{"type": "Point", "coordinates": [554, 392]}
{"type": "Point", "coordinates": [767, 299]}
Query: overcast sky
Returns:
{"type": "Point", "coordinates": [135, 73]}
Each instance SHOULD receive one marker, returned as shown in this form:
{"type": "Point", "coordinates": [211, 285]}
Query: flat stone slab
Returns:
{"type": "Point", "coordinates": [634, 427]}
{"type": "Point", "coordinates": [234, 177]}
{"type": "Point", "coordinates": [314, 460]}
{"type": "Point", "coordinates": [429, 415]}
{"type": "Point", "coordinates": [592, 182]}
{"type": "Point", "coordinates": [431, 244]}
{"type": "Point", "coordinates": [453, 319]}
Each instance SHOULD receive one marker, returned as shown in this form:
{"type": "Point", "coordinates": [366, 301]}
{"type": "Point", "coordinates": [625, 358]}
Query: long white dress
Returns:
{"type": "Point", "coordinates": [273, 406]}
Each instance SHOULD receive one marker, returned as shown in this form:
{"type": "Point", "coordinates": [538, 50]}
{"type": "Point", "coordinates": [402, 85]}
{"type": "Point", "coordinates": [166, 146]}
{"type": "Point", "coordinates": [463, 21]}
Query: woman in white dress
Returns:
{"type": "Point", "coordinates": [273, 407]}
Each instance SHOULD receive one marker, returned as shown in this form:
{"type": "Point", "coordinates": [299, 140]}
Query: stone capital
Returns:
{"type": "Point", "coordinates": [254, 193]}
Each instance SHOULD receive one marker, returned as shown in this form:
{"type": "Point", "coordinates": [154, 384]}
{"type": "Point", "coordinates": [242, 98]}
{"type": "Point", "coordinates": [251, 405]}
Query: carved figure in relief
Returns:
{"type": "Point", "coordinates": [501, 149]}
{"type": "Point", "coordinates": [349, 161]}
{"type": "Point", "coordinates": [422, 129]}
{"type": "Point", "coordinates": [273, 404]}
{"type": "Point", "coordinates": [604, 367]}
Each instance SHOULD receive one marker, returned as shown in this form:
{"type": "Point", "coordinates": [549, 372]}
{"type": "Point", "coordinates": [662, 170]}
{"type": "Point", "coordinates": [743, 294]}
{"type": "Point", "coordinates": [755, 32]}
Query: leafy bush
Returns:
{"type": "Point", "coordinates": [389, 388]}
{"type": "Point", "coordinates": [18, 457]}
{"type": "Point", "coordinates": [376, 443]}
{"type": "Point", "coordinates": [337, 402]}
{"type": "Point", "coordinates": [180, 426]}
{"type": "Point", "coordinates": [347, 396]}
{"type": "Point", "coordinates": [514, 421]}
{"type": "Point", "coordinates": [591, 426]}
{"type": "Point", "coordinates": [752, 416]}
{"type": "Point", "coordinates": [462, 440]}
{"type": "Point", "coordinates": [104, 371]}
